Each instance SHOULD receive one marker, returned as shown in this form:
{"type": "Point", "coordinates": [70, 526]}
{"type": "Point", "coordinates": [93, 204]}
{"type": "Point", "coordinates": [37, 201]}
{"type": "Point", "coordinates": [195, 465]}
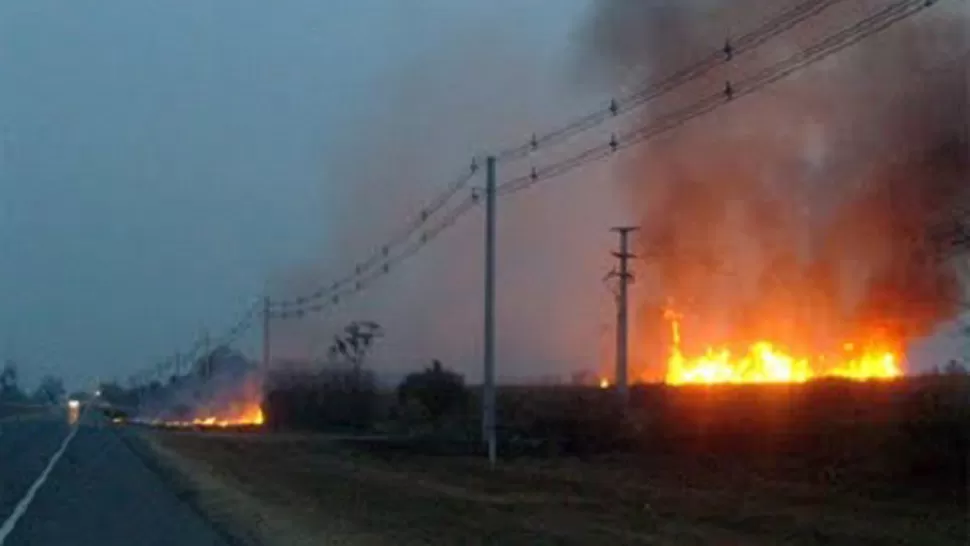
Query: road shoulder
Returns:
{"type": "Point", "coordinates": [239, 516]}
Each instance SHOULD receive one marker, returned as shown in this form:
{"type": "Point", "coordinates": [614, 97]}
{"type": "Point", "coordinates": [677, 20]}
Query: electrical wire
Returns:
{"type": "Point", "coordinates": [384, 267]}
{"type": "Point", "coordinates": [232, 334]}
{"type": "Point", "coordinates": [822, 49]}
{"type": "Point", "coordinates": [773, 27]}
{"type": "Point", "coordinates": [404, 245]}
{"type": "Point", "coordinates": [831, 44]}
{"type": "Point", "coordinates": [388, 248]}
{"type": "Point", "coordinates": [942, 218]}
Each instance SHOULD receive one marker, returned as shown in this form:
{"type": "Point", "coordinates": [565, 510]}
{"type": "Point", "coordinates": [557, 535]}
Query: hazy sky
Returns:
{"type": "Point", "coordinates": [161, 160]}
{"type": "Point", "coordinates": [162, 163]}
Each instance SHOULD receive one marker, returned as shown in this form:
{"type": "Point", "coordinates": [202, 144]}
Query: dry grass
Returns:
{"type": "Point", "coordinates": [308, 489]}
{"type": "Point", "coordinates": [233, 503]}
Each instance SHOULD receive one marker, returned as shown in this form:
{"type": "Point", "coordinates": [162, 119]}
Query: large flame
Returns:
{"type": "Point", "coordinates": [766, 362]}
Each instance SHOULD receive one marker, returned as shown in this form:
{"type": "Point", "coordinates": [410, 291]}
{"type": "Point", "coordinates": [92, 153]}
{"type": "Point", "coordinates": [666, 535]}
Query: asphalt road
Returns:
{"type": "Point", "coordinates": [98, 492]}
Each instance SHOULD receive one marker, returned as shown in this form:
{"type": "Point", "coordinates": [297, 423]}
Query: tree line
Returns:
{"type": "Point", "coordinates": [50, 390]}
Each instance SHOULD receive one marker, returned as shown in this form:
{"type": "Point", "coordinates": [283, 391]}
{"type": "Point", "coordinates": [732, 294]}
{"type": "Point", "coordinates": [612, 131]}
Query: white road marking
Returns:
{"type": "Point", "coordinates": [21, 507]}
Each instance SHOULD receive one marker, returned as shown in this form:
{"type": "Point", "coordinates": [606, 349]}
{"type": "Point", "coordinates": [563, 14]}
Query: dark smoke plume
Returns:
{"type": "Point", "coordinates": [810, 211]}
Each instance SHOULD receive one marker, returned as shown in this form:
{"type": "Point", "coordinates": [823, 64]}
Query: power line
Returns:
{"type": "Point", "coordinates": [387, 249]}
{"type": "Point", "coordinates": [831, 44]}
{"type": "Point", "coordinates": [404, 245]}
{"type": "Point", "coordinates": [232, 334]}
{"type": "Point", "coordinates": [241, 327]}
{"type": "Point", "coordinates": [943, 217]}
{"type": "Point", "coordinates": [365, 272]}
{"type": "Point", "coordinates": [381, 268]}
{"type": "Point", "coordinates": [749, 41]}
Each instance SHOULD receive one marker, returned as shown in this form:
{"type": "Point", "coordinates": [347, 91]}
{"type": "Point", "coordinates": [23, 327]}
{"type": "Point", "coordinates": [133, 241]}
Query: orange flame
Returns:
{"type": "Point", "coordinates": [249, 415]}
{"type": "Point", "coordinates": [764, 362]}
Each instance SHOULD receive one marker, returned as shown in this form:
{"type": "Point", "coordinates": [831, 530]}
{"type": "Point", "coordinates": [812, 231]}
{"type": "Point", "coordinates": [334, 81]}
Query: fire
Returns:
{"type": "Point", "coordinates": [766, 362]}
{"type": "Point", "coordinates": [249, 415]}
{"type": "Point", "coordinates": [604, 383]}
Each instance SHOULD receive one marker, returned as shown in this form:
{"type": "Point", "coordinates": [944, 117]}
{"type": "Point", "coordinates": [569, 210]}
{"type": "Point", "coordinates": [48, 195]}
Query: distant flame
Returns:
{"type": "Point", "coordinates": [248, 415]}
{"type": "Point", "coordinates": [765, 362]}
{"type": "Point", "coordinates": [604, 383]}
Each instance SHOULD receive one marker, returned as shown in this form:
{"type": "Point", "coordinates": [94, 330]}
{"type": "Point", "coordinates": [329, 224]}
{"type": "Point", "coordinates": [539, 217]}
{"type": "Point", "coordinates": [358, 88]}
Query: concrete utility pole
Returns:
{"type": "Point", "coordinates": [266, 333]}
{"type": "Point", "coordinates": [622, 385]}
{"type": "Point", "coordinates": [488, 386]}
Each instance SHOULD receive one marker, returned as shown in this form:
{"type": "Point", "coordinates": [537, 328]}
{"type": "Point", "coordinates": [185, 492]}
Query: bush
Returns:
{"type": "Point", "coordinates": [114, 394]}
{"type": "Point", "coordinates": [432, 395]}
{"type": "Point", "coordinates": [578, 421]}
{"type": "Point", "coordinates": [333, 399]}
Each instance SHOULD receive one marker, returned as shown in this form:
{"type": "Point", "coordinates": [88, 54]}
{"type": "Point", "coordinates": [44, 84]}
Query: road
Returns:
{"type": "Point", "coordinates": [96, 492]}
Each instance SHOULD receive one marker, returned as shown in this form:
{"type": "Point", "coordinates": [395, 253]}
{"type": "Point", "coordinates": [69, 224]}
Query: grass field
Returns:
{"type": "Point", "coordinates": [821, 464]}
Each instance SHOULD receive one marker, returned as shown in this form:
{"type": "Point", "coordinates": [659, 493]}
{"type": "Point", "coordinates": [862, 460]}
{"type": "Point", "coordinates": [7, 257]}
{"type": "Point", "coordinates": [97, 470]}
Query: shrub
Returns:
{"type": "Point", "coordinates": [332, 399]}
{"type": "Point", "coordinates": [578, 421]}
{"type": "Point", "coordinates": [434, 394]}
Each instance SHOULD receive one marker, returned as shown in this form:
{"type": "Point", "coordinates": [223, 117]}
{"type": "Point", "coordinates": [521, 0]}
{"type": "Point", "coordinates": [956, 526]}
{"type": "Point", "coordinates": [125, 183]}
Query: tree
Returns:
{"type": "Point", "coordinates": [356, 340]}
{"type": "Point", "coordinates": [50, 391]}
{"type": "Point", "coordinates": [954, 367]}
{"type": "Point", "coordinates": [114, 394]}
{"type": "Point", "coordinates": [8, 376]}
{"type": "Point", "coordinates": [80, 396]}
{"type": "Point", "coordinates": [9, 386]}
{"type": "Point", "coordinates": [438, 391]}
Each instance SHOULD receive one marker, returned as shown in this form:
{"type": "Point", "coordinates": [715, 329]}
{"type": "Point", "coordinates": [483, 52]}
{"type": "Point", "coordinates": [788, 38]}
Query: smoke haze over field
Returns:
{"type": "Point", "coordinates": [784, 198]}
{"type": "Point", "coordinates": [795, 213]}
{"type": "Point", "coordinates": [457, 89]}
{"type": "Point", "coordinates": [160, 161]}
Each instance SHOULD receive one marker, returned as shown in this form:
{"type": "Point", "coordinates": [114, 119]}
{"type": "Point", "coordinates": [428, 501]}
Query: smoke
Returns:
{"type": "Point", "coordinates": [459, 81]}
{"type": "Point", "coordinates": [223, 386]}
{"type": "Point", "coordinates": [799, 212]}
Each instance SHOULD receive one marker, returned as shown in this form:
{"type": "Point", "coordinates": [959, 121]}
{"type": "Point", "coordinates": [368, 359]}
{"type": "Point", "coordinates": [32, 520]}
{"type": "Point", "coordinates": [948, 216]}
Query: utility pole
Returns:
{"type": "Point", "coordinates": [266, 333]}
{"type": "Point", "coordinates": [622, 385]}
{"type": "Point", "coordinates": [178, 364]}
{"type": "Point", "coordinates": [488, 386]}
